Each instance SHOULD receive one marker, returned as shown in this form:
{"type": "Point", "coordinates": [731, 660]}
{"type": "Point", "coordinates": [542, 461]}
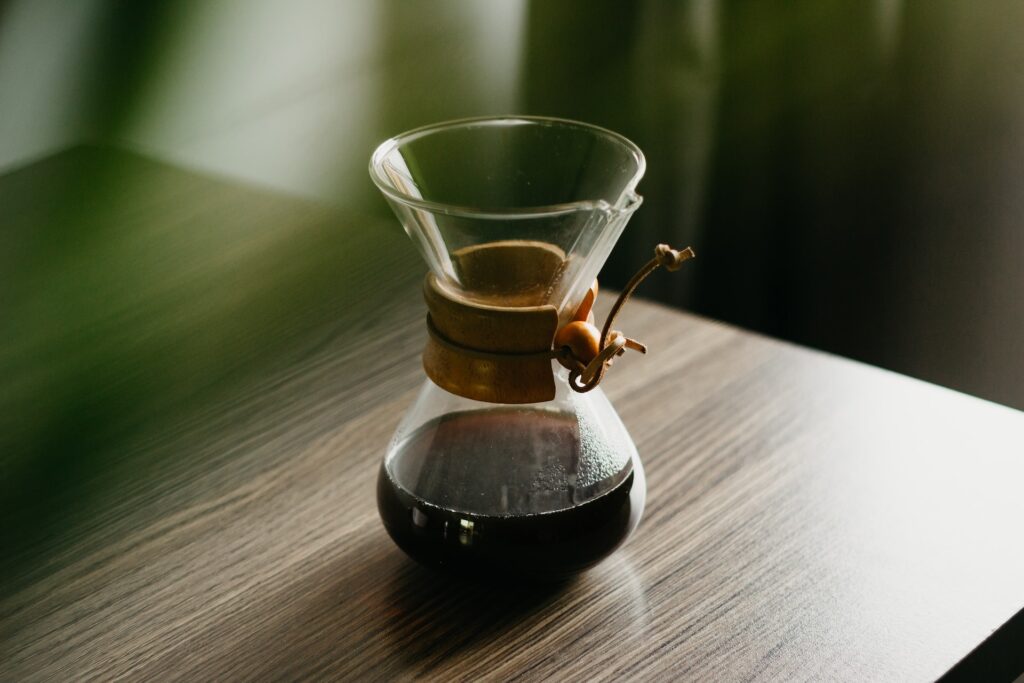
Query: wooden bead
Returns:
{"type": "Point", "coordinates": [583, 313]}
{"type": "Point", "coordinates": [582, 338]}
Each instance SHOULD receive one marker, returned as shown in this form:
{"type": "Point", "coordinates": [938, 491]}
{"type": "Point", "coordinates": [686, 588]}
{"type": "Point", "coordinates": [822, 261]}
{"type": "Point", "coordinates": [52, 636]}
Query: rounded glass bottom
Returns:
{"type": "Point", "coordinates": [521, 493]}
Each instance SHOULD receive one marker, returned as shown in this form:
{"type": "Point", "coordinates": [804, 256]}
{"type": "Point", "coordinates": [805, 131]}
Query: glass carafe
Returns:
{"type": "Point", "coordinates": [500, 466]}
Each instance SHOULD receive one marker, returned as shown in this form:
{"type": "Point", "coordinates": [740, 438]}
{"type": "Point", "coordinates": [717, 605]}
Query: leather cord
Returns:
{"type": "Point", "coordinates": [613, 343]}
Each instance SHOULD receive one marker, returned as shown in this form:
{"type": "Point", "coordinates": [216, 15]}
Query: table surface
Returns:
{"type": "Point", "coordinates": [198, 382]}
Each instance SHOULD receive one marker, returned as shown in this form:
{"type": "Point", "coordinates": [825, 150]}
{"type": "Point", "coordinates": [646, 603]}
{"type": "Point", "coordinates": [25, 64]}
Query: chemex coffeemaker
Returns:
{"type": "Point", "coordinates": [512, 461]}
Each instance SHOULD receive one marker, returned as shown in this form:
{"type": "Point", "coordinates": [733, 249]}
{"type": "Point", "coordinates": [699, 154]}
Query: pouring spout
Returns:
{"type": "Point", "coordinates": [633, 202]}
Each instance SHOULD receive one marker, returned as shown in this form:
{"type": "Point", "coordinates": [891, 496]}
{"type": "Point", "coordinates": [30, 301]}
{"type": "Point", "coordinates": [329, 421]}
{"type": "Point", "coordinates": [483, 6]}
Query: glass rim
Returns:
{"type": "Point", "coordinates": [632, 200]}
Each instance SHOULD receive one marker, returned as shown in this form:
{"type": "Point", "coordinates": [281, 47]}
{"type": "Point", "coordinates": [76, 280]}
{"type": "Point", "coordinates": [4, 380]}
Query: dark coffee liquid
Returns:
{"type": "Point", "coordinates": [516, 492]}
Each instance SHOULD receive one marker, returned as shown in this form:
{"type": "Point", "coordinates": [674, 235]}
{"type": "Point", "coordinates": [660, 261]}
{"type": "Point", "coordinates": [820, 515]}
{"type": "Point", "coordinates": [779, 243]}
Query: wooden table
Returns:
{"type": "Point", "coordinates": [199, 380]}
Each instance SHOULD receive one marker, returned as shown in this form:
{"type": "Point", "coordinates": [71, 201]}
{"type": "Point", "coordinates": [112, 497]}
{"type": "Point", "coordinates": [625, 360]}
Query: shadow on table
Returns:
{"type": "Point", "coordinates": [370, 612]}
{"type": "Point", "coordinates": [436, 616]}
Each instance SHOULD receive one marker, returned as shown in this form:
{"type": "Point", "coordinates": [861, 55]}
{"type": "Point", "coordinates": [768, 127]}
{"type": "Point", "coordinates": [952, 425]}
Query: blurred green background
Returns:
{"type": "Point", "coordinates": [848, 171]}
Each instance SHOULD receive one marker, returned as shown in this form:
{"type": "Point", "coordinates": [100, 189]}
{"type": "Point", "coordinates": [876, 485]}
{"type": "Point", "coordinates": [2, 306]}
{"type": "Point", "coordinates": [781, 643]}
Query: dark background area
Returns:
{"type": "Point", "coordinates": [848, 172]}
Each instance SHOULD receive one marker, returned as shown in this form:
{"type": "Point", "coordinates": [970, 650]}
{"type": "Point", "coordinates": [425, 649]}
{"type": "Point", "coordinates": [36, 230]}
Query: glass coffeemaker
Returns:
{"type": "Point", "coordinates": [512, 461]}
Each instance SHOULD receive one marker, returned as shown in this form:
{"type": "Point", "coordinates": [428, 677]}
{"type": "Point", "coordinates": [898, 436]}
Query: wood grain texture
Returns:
{"type": "Point", "coordinates": [189, 477]}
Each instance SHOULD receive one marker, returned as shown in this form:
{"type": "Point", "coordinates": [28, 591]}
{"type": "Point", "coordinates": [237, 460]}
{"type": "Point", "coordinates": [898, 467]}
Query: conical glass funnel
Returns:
{"type": "Point", "coordinates": [563, 188]}
{"type": "Point", "coordinates": [515, 217]}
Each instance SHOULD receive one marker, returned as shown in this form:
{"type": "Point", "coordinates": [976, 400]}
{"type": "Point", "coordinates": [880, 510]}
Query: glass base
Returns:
{"type": "Point", "coordinates": [541, 547]}
{"type": "Point", "coordinates": [537, 492]}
